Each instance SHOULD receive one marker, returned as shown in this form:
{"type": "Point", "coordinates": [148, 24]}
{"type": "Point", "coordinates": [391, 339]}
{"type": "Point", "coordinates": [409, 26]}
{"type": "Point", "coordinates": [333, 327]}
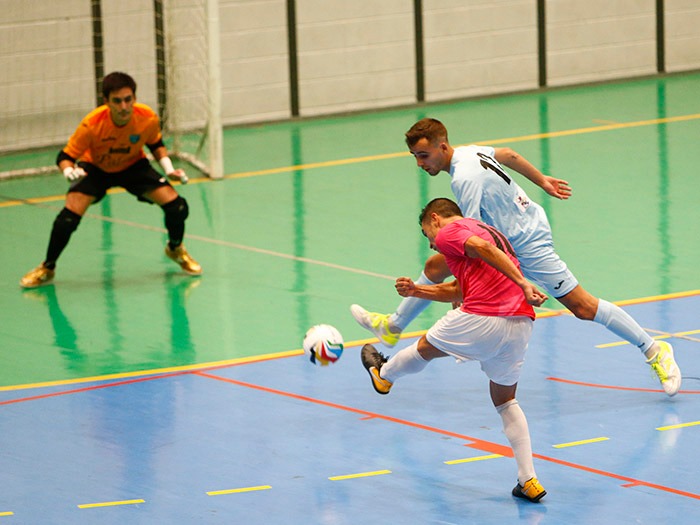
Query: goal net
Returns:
{"type": "Point", "coordinates": [189, 80]}
{"type": "Point", "coordinates": [59, 54]}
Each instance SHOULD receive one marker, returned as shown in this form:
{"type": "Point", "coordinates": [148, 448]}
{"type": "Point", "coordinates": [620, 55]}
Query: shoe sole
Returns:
{"type": "Point", "coordinates": [188, 272]}
{"type": "Point", "coordinates": [39, 285]}
{"type": "Point", "coordinates": [34, 286]}
{"type": "Point", "coordinates": [359, 317]}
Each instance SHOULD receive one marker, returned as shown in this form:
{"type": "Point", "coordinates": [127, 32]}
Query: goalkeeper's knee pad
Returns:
{"type": "Point", "coordinates": [176, 210]}
{"type": "Point", "coordinates": [66, 222]}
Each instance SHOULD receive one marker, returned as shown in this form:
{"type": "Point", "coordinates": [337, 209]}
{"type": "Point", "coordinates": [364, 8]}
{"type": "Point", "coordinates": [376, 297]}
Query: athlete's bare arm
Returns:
{"type": "Point", "coordinates": [555, 187]}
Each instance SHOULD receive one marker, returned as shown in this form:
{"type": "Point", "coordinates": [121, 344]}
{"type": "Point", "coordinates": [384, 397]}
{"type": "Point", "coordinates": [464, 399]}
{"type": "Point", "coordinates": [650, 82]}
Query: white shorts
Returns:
{"type": "Point", "coordinates": [498, 343]}
{"type": "Point", "coordinates": [546, 269]}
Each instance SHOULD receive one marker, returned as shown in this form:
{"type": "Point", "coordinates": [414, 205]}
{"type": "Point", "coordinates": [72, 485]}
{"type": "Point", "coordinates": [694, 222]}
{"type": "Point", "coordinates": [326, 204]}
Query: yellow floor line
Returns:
{"type": "Point", "coordinates": [111, 503]}
{"type": "Point", "coordinates": [469, 460]}
{"type": "Point", "coordinates": [582, 442]}
{"type": "Point", "coordinates": [277, 355]}
{"type": "Point", "coordinates": [680, 425]}
{"type": "Point", "coordinates": [155, 371]}
{"type": "Point", "coordinates": [370, 158]}
{"type": "Point", "coordinates": [360, 475]}
{"type": "Point", "coordinates": [238, 491]}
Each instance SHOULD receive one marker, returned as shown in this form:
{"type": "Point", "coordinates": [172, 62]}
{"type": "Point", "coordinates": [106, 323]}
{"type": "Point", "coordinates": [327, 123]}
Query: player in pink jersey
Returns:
{"type": "Point", "coordinates": [485, 290]}
{"type": "Point", "coordinates": [492, 326]}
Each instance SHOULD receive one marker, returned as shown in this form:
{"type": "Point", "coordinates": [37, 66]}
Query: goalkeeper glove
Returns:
{"type": "Point", "coordinates": [73, 173]}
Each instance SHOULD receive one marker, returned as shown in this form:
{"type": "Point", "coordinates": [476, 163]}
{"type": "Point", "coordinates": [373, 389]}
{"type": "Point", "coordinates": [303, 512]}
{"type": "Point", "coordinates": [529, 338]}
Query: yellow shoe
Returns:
{"type": "Point", "coordinates": [39, 276]}
{"type": "Point", "coordinates": [376, 323]}
{"type": "Point", "coordinates": [186, 262]}
{"type": "Point", "coordinates": [373, 361]}
{"type": "Point", "coordinates": [666, 368]}
{"type": "Point", "coordinates": [532, 490]}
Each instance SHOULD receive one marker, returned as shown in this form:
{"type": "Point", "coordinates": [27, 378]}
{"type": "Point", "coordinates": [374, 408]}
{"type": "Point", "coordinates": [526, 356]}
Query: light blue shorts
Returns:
{"type": "Point", "coordinates": [546, 269]}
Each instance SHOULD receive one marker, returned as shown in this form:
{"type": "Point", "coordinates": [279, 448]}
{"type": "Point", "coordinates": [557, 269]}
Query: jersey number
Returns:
{"type": "Point", "coordinates": [499, 239]}
{"type": "Point", "coordinates": [489, 163]}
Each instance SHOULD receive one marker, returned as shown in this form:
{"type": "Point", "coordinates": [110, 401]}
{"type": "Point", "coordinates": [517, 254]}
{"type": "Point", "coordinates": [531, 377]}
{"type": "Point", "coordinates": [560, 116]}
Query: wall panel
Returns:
{"type": "Point", "coordinates": [600, 40]}
{"type": "Point", "coordinates": [682, 35]}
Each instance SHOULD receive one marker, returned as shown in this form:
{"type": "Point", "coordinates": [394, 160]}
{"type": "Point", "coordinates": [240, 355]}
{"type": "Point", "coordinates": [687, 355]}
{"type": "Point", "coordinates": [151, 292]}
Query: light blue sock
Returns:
{"type": "Point", "coordinates": [621, 324]}
{"type": "Point", "coordinates": [410, 307]}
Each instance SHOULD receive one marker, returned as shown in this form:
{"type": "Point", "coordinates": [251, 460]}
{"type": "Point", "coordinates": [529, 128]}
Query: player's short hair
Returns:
{"type": "Point", "coordinates": [443, 207]}
{"type": "Point", "coordinates": [116, 81]}
{"type": "Point", "coordinates": [428, 128]}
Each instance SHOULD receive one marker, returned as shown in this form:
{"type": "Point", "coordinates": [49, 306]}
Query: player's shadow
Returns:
{"type": "Point", "coordinates": [179, 288]}
{"type": "Point", "coordinates": [65, 335]}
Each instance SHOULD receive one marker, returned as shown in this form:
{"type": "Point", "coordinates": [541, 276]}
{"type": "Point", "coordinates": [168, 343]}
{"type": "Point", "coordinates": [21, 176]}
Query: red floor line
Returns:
{"type": "Point", "coordinates": [90, 388]}
{"type": "Point", "coordinates": [485, 446]}
{"type": "Point", "coordinates": [368, 415]}
{"type": "Point", "coordinates": [630, 482]}
{"type": "Point", "coordinates": [613, 387]}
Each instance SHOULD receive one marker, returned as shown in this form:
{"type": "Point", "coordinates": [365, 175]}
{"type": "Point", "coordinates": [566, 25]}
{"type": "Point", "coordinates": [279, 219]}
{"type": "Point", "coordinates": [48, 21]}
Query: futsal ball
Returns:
{"type": "Point", "coordinates": [323, 344]}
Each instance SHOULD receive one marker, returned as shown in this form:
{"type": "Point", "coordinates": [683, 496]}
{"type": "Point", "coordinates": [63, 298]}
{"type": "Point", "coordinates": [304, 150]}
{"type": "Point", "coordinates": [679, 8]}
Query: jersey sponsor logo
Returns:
{"type": "Point", "coordinates": [559, 285]}
{"type": "Point", "coordinates": [109, 139]}
{"type": "Point", "coordinates": [134, 138]}
{"type": "Point", "coordinates": [125, 150]}
{"type": "Point", "coordinates": [522, 201]}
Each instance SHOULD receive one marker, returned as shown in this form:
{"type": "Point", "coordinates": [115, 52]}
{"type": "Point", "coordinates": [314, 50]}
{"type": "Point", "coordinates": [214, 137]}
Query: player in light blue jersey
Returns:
{"type": "Point", "coordinates": [485, 191]}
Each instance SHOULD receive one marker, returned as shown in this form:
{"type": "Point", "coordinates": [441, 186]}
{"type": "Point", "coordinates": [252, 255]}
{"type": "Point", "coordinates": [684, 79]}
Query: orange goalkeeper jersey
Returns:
{"type": "Point", "coordinates": [112, 148]}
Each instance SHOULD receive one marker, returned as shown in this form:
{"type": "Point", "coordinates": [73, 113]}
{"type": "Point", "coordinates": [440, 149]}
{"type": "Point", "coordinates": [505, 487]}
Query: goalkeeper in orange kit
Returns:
{"type": "Point", "coordinates": [106, 150]}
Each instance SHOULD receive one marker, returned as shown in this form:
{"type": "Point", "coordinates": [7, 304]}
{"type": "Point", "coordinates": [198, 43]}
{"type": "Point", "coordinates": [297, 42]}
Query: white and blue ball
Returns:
{"type": "Point", "coordinates": [323, 344]}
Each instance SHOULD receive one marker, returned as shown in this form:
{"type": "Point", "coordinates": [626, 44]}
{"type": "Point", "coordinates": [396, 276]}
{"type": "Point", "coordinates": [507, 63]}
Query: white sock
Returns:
{"type": "Point", "coordinates": [406, 361]}
{"type": "Point", "coordinates": [621, 324]}
{"type": "Point", "coordinates": [518, 434]}
{"type": "Point", "coordinates": [410, 307]}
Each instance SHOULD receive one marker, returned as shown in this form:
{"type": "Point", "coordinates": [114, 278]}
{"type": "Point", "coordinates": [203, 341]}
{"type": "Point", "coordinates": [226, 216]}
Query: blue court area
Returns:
{"type": "Point", "coordinates": [133, 394]}
{"type": "Point", "coordinates": [276, 440]}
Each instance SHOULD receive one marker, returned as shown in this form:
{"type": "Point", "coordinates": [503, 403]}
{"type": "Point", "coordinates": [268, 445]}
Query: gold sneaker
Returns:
{"type": "Point", "coordinates": [39, 276]}
{"type": "Point", "coordinates": [373, 361]}
{"type": "Point", "coordinates": [186, 262]}
{"type": "Point", "coordinates": [531, 491]}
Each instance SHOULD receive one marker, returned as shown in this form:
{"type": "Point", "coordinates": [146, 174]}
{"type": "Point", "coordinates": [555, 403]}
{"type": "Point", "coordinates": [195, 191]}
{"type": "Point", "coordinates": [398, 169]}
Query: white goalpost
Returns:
{"type": "Point", "coordinates": [60, 52]}
{"type": "Point", "coordinates": [192, 68]}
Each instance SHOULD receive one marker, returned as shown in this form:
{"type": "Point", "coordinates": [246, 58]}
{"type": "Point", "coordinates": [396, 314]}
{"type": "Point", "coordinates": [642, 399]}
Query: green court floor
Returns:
{"type": "Point", "coordinates": [318, 214]}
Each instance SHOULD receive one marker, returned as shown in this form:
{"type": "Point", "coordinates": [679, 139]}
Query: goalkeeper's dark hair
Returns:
{"type": "Point", "coordinates": [443, 207]}
{"type": "Point", "coordinates": [116, 81]}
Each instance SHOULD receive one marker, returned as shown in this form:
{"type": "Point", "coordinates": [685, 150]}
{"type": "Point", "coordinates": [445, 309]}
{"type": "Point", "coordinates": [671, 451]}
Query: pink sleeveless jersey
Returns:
{"type": "Point", "coordinates": [485, 290]}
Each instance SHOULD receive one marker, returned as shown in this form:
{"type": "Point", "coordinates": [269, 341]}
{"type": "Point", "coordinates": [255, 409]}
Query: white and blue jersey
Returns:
{"type": "Point", "coordinates": [486, 192]}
